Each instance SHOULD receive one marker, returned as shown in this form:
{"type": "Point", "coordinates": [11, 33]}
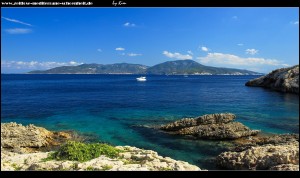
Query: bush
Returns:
{"type": "Point", "coordinates": [78, 151]}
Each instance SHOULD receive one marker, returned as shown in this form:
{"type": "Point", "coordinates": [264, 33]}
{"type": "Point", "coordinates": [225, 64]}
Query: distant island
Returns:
{"type": "Point", "coordinates": [179, 67]}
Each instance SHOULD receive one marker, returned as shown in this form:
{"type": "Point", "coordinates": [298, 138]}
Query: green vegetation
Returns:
{"type": "Point", "coordinates": [50, 157]}
{"type": "Point", "coordinates": [89, 168]}
{"type": "Point", "coordinates": [78, 151]}
{"type": "Point", "coordinates": [106, 167]}
{"type": "Point", "coordinates": [130, 161]}
{"type": "Point", "coordinates": [16, 167]}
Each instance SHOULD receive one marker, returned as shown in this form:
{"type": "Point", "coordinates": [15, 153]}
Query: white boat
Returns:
{"type": "Point", "coordinates": [141, 79]}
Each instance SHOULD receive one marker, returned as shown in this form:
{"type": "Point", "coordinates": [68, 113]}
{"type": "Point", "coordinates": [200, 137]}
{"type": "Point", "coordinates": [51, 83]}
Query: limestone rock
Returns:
{"type": "Point", "coordinates": [21, 138]}
{"type": "Point", "coordinates": [285, 167]}
{"type": "Point", "coordinates": [202, 120]}
{"type": "Point", "coordinates": [130, 159]}
{"type": "Point", "coordinates": [231, 130]}
{"type": "Point", "coordinates": [284, 80]}
{"type": "Point", "coordinates": [210, 126]}
{"type": "Point", "coordinates": [261, 157]}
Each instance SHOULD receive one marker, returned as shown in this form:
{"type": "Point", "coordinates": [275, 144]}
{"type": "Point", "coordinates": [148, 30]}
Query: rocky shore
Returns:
{"type": "Point", "coordinates": [210, 126]}
{"type": "Point", "coordinates": [284, 80]}
{"type": "Point", "coordinates": [28, 148]}
{"type": "Point", "coordinates": [22, 149]}
{"type": "Point", "coordinates": [278, 152]}
{"type": "Point", "coordinates": [250, 151]}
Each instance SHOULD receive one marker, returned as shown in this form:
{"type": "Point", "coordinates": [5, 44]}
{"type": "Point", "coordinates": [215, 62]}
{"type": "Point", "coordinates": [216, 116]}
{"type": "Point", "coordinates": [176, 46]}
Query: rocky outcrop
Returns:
{"type": "Point", "coordinates": [15, 136]}
{"type": "Point", "coordinates": [210, 126]}
{"type": "Point", "coordinates": [285, 167]}
{"type": "Point", "coordinates": [274, 157]}
{"type": "Point", "coordinates": [284, 80]}
{"type": "Point", "coordinates": [131, 159]}
{"type": "Point", "coordinates": [259, 140]}
{"type": "Point", "coordinates": [274, 152]}
{"type": "Point", "coordinates": [19, 138]}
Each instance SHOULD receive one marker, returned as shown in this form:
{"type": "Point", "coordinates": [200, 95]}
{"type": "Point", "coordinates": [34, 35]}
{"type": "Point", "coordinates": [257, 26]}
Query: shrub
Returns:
{"type": "Point", "coordinates": [78, 151]}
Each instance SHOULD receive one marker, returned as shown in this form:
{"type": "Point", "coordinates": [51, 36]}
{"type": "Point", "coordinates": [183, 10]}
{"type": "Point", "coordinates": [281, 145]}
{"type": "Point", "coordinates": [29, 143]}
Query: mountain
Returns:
{"type": "Point", "coordinates": [192, 67]}
{"type": "Point", "coordinates": [119, 68]}
{"type": "Point", "coordinates": [167, 68]}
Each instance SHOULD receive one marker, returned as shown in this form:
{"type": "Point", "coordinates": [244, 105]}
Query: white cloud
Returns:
{"type": "Point", "coordinates": [35, 65]}
{"type": "Point", "coordinates": [15, 21]}
{"type": "Point", "coordinates": [251, 51]}
{"type": "Point", "coordinates": [230, 59]}
{"type": "Point", "coordinates": [127, 24]}
{"type": "Point", "coordinates": [190, 52]}
{"type": "Point", "coordinates": [18, 30]}
{"type": "Point", "coordinates": [120, 49]}
{"type": "Point", "coordinates": [240, 44]}
{"type": "Point", "coordinates": [295, 22]}
{"type": "Point", "coordinates": [133, 54]}
{"type": "Point", "coordinates": [203, 48]}
{"type": "Point", "coordinates": [99, 50]}
{"type": "Point", "coordinates": [177, 55]}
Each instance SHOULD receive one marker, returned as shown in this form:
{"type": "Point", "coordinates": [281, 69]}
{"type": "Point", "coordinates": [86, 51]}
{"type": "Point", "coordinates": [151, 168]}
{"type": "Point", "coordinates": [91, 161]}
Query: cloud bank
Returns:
{"type": "Point", "coordinates": [177, 55]}
{"type": "Point", "coordinates": [233, 60]}
{"type": "Point", "coordinates": [18, 31]}
{"type": "Point", "coordinates": [35, 65]}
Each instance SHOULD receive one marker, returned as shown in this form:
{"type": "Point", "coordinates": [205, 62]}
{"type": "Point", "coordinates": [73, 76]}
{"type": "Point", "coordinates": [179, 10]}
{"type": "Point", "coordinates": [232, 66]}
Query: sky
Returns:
{"type": "Point", "coordinates": [257, 39]}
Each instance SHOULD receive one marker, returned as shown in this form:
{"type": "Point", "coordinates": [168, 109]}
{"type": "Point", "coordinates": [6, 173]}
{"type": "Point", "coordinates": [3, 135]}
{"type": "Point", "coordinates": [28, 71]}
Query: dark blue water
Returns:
{"type": "Point", "coordinates": [112, 107]}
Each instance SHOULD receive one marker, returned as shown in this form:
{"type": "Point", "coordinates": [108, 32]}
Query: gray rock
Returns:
{"type": "Point", "coordinates": [201, 120]}
{"type": "Point", "coordinates": [231, 130]}
{"type": "Point", "coordinates": [130, 159]}
{"type": "Point", "coordinates": [261, 157]}
{"type": "Point", "coordinates": [284, 80]}
{"type": "Point", "coordinates": [21, 138]}
{"type": "Point", "coordinates": [285, 167]}
{"type": "Point", "coordinates": [210, 126]}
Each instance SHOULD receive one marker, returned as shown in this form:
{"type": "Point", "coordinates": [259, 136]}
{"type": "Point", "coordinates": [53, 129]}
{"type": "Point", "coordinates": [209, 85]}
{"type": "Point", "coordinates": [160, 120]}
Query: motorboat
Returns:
{"type": "Point", "coordinates": [141, 79]}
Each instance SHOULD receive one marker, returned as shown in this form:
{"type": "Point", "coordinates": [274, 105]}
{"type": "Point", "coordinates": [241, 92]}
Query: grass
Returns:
{"type": "Point", "coordinates": [16, 167]}
{"type": "Point", "coordinates": [126, 161]}
{"type": "Point", "coordinates": [89, 168]}
{"type": "Point", "coordinates": [106, 167]}
{"type": "Point", "coordinates": [78, 151]}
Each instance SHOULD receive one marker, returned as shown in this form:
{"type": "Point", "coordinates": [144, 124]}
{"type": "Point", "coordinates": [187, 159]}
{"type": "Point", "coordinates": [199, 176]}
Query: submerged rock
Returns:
{"type": "Point", "coordinates": [284, 80]}
{"type": "Point", "coordinates": [258, 140]}
{"type": "Point", "coordinates": [210, 126]}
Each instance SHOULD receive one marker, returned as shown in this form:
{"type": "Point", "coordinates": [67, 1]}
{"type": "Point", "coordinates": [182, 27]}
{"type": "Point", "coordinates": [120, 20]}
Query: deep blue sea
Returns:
{"type": "Point", "coordinates": [112, 108]}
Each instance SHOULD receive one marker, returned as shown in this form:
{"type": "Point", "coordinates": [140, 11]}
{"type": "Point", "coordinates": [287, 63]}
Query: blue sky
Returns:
{"type": "Point", "coordinates": [258, 39]}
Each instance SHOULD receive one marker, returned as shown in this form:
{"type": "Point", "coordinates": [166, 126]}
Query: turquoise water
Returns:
{"type": "Point", "coordinates": [112, 108]}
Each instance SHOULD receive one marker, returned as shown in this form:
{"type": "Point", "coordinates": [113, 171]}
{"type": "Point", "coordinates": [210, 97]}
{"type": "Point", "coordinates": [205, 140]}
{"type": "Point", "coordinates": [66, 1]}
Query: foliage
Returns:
{"type": "Point", "coordinates": [106, 167]}
{"type": "Point", "coordinates": [78, 151]}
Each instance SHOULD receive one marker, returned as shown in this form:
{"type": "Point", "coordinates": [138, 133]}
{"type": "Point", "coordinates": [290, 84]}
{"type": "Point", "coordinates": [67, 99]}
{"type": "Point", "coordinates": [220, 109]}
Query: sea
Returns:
{"type": "Point", "coordinates": [120, 110]}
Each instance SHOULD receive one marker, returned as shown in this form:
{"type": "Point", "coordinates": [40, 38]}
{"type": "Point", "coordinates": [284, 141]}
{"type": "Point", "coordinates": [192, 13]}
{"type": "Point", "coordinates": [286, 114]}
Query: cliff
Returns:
{"type": "Point", "coordinates": [284, 80]}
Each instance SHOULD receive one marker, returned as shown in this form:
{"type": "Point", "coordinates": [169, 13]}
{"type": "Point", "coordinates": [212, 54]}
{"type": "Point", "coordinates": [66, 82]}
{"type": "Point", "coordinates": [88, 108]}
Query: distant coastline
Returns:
{"type": "Point", "coordinates": [123, 74]}
{"type": "Point", "coordinates": [179, 67]}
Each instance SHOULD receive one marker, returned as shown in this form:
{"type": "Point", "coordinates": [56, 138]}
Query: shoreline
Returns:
{"type": "Point", "coordinates": [21, 151]}
{"type": "Point", "coordinates": [28, 147]}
